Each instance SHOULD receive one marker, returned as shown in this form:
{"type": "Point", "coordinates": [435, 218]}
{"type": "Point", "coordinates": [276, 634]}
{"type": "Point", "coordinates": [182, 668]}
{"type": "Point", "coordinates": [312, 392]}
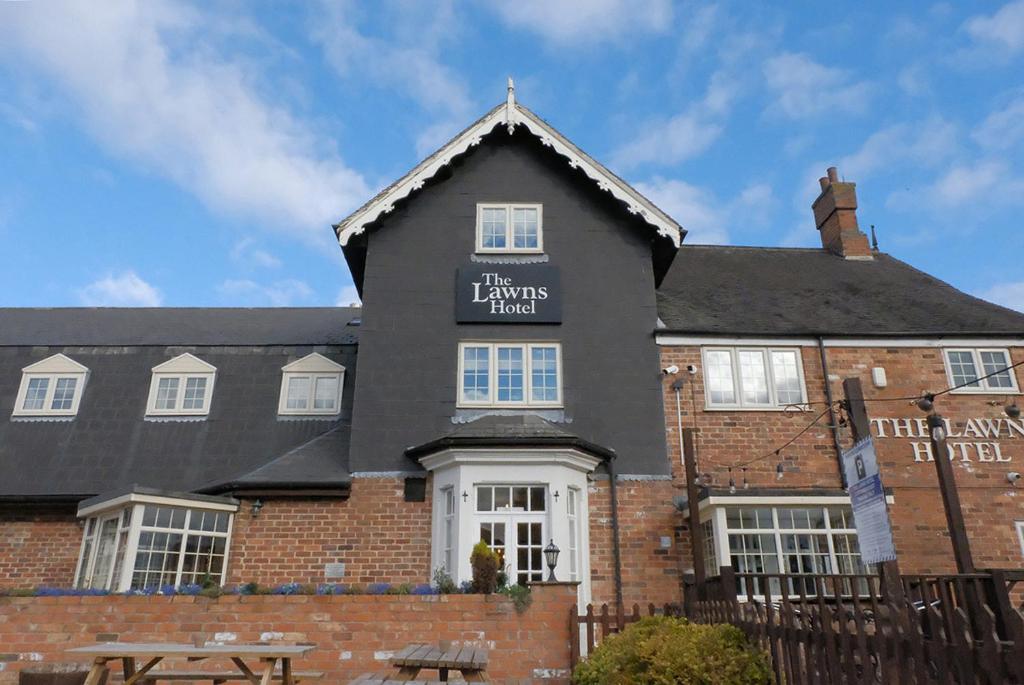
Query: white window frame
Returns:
{"type": "Point", "coordinates": [182, 367]}
{"type": "Point", "coordinates": [739, 405]}
{"type": "Point", "coordinates": [1020, 535]}
{"type": "Point", "coordinates": [510, 517]}
{"type": "Point", "coordinates": [313, 366]}
{"type": "Point", "coordinates": [492, 378]}
{"type": "Point", "coordinates": [508, 207]}
{"type": "Point", "coordinates": [572, 512]}
{"type": "Point", "coordinates": [53, 369]}
{"type": "Point", "coordinates": [984, 388]}
{"type": "Point", "coordinates": [136, 503]}
{"type": "Point", "coordinates": [449, 509]}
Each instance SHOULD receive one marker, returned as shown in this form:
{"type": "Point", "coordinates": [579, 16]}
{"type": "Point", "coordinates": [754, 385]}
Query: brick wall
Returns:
{"type": "Point", "coordinates": [375, 533]}
{"type": "Point", "coordinates": [353, 634]}
{"type": "Point", "coordinates": [991, 504]}
{"type": "Point", "coordinates": [38, 546]}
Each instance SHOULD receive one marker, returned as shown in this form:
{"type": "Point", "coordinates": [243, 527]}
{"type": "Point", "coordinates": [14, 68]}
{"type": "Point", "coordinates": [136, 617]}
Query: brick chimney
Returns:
{"type": "Point", "coordinates": [835, 215]}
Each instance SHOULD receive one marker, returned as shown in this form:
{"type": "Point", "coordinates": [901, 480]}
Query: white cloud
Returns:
{"type": "Point", "coordinates": [990, 180]}
{"type": "Point", "coordinates": [1003, 128]}
{"type": "Point", "coordinates": [1000, 35]}
{"type": "Point", "coordinates": [684, 135]}
{"type": "Point", "coordinates": [126, 289]}
{"type": "Point", "coordinates": [249, 255]}
{"type": "Point", "coordinates": [914, 80]}
{"type": "Point", "coordinates": [803, 88]}
{"type": "Point", "coordinates": [16, 117]}
{"type": "Point", "coordinates": [1009, 294]}
{"type": "Point", "coordinates": [407, 60]}
{"type": "Point", "coordinates": [149, 83]}
{"type": "Point", "coordinates": [282, 293]}
{"type": "Point", "coordinates": [348, 297]}
{"type": "Point", "coordinates": [706, 217]}
{"type": "Point", "coordinates": [586, 22]}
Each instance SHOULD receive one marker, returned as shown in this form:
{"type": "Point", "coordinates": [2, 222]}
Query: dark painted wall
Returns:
{"type": "Point", "coordinates": [408, 351]}
{"type": "Point", "coordinates": [109, 445]}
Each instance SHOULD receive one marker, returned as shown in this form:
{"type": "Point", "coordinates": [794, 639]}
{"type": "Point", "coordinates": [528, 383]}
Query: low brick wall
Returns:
{"type": "Point", "coordinates": [352, 633]}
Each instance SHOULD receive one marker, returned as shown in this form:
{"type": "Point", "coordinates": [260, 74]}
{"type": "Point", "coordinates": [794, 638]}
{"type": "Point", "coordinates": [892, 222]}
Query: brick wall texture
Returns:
{"type": "Point", "coordinates": [353, 634]}
{"type": "Point", "coordinates": [38, 546]}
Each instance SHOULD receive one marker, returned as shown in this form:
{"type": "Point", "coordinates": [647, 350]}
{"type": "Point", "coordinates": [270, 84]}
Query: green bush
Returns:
{"type": "Point", "coordinates": [485, 568]}
{"type": "Point", "coordinates": [660, 650]}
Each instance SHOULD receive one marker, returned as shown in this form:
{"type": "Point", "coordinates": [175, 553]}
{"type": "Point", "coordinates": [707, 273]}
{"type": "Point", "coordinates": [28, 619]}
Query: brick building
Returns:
{"type": "Point", "coordinates": [533, 338]}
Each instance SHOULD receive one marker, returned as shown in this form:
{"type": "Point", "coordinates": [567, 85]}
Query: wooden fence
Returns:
{"type": "Point", "coordinates": [591, 628]}
{"type": "Point", "coordinates": [847, 629]}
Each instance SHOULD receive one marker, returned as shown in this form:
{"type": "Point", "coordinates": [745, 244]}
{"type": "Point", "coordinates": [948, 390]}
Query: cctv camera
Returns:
{"type": "Point", "coordinates": [691, 369]}
{"type": "Point", "coordinates": [669, 370]}
{"type": "Point", "coordinates": [1013, 476]}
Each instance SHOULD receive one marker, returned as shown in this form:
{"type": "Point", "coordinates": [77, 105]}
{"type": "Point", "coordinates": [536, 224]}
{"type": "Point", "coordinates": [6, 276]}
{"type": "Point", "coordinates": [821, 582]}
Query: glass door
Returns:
{"type": "Point", "coordinates": [512, 520]}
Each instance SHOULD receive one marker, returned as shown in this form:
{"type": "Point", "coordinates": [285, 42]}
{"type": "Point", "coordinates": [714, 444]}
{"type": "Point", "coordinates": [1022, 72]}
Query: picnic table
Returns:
{"type": "Point", "coordinates": [471, 662]}
{"type": "Point", "coordinates": [127, 653]}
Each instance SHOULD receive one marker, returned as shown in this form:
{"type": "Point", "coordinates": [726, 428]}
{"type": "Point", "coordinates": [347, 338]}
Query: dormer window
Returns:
{"type": "Point", "coordinates": [51, 387]}
{"type": "Point", "coordinates": [509, 228]}
{"type": "Point", "coordinates": [182, 386]}
{"type": "Point", "coordinates": [311, 386]}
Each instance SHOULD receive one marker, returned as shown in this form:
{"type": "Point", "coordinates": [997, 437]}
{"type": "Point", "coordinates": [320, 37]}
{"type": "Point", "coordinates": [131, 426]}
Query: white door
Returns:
{"type": "Point", "coordinates": [512, 520]}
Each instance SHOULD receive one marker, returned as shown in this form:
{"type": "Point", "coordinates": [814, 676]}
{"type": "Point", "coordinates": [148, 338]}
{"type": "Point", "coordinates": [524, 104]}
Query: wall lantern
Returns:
{"type": "Point", "coordinates": [556, 496]}
{"type": "Point", "coordinates": [551, 553]}
{"type": "Point", "coordinates": [257, 504]}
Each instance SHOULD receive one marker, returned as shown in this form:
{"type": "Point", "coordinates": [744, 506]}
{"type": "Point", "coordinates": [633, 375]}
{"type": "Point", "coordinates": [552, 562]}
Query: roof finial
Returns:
{"type": "Point", "coordinates": [510, 107]}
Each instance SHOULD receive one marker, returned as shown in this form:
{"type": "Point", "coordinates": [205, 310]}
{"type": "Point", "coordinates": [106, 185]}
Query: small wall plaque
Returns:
{"type": "Point", "coordinates": [334, 571]}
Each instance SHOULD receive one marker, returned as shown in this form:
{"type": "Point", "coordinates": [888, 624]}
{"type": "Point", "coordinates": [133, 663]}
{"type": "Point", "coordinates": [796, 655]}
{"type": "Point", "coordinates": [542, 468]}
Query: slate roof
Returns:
{"type": "Point", "coordinates": [805, 291]}
{"type": "Point", "coordinates": [178, 326]}
{"type": "Point", "coordinates": [514, 430]}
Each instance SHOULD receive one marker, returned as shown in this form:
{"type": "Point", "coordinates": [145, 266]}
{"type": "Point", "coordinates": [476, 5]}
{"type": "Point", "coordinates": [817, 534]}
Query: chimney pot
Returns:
{"type": "Point", "coordinates": [833, 175]}
{"type": "Point", "coordinates": [835, 215]}
{"type": "Point", "coordinates": [824, 183]}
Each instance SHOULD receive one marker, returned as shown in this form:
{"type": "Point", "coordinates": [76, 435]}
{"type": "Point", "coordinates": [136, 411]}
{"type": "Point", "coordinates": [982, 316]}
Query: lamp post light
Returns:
{"type": "Point", "coordinates": [551, 553]}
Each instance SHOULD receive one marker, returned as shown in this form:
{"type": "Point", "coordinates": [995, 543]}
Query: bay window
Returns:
{"type": "Point", "coordinates": [138, 541]}
{"type": "Point", "coordinates": [753, 378]}
{"type": "Point", "coordinates": [510, 374]}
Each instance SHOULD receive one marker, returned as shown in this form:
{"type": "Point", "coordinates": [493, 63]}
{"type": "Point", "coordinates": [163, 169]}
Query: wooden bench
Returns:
{"type": "Point", "coordinates": [221, 676]}
{"type": "Point", "coordinates": [389, 678]}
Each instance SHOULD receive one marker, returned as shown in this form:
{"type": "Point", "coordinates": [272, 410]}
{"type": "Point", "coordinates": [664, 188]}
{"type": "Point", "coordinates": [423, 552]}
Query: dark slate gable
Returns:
{"type": "Point", "coordinates": [178, 326]}
{"type": "Point", "coordinates": [794, 291]}
{"type": "Point", "coordinates": [110, 445]}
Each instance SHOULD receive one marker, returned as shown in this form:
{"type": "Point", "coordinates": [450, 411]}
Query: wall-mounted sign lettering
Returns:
{"type": "Point", "coordinates": [508, 293]}
{"type": "Point", "coordinates": [975, 439]}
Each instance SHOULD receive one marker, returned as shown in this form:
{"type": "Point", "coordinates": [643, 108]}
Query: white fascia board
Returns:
{"type": "Point", "coordinates": [571, 458]}
{"type": "Point", "coordinates": [674, 339]}
{"type": "Point", "coordinates": [509, 114]}
{"type": "Point", "coordinates": [775, 500]}
{"type": "Point", "coordinates": [133, 497]}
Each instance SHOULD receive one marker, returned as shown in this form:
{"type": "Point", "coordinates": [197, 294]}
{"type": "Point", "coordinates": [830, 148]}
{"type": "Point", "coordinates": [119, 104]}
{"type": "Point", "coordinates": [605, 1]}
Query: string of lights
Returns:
{"type": "Point", "coordinates": [924, 401]}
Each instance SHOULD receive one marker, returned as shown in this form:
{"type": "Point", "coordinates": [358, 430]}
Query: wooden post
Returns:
{"type": "Point", "coordinates": [860, 426]}
{"type": "Point", "coordinates": [692, 493]}
{"type": "Point", "coordinates": [950, 497]}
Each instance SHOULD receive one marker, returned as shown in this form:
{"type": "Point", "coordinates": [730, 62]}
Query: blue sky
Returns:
{"type": "Point", "coordinates": [197, 154]}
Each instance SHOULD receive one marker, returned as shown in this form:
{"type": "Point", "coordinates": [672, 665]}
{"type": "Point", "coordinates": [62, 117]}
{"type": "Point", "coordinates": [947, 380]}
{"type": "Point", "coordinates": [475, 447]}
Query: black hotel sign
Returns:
{"type": "Point", "coordinates": [509, 293]}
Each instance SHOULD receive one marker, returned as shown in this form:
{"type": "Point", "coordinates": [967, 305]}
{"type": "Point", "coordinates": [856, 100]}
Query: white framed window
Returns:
{"type": "Point", "coordinates": [160, 542]}
{"type": "Point", "coordinates": [448, 495]}
{"type": "Point", "coordinates": [1020, 536]}
{"type": "Point", "coordinates": [509, 228]}
{"type": "Point", "coordinates": [572, 512]}
{"type": "Point", "coordinates": [967, 366]}
{"type": "Point", "coordinates": [51, 387]}
{"type": "Point", "coordinates": [510, 374]}
{"type": "Point", "coordinates": [753, 378]}
{"type": "Point", "coordinates": [795, 540]}
{"type": "Point", "coordinates": [512, 520]}
{"type": "Point", "coordinates": [182, 386]}
{"type": "Point", "coordinates": [311, 386]}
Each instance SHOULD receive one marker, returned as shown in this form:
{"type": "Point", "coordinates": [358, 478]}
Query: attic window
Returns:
{"type": "Point", "coordinates": [51, 387]}
{"type": "Point", "coordinates": [509, 228]}
{"type": "Point", "coordinates": [311, 386]}
{"type": "Point", "coordinates": [182, 386]}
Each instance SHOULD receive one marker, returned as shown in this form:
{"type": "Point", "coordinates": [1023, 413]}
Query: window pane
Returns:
{"type": "Point", "coordinates": [752, 377]}
{"type": "Point", "coordinates": [476, 365]}
{"type": "Point", "coordinates": [961, 364]}
{"type": "Point", "coordinates": [326, 393]}
{"type": "Point", "coordinates": [786, 376]}
{"type": "Point", "coordinates": [494, 232]}
{"type": "Point", "coordinates": [510, 374]}
{"type": "Point", "coordinates": [520, 497]}
{"type": "Point", "coordinates": [195, 393]}
{"type": "Point", "coordinates": [35, 395]}
{"type": "Point", "coordinates": [63, 393]}
{"type": "Point", "coordinates": [524, 228]}
{"type": "Point", "coordinates": [992, 361]}
{"type": "Point", "coordinates": [167, 393]}
{"type": "Point", "coordinates": [298, 393]}
{"type": "Point", "coordinates": [544, 374]}
{"type": "Point", "coordinates": [484, 499]}
{"type": "Point", "coordinates": [537, 499]}
{"type": "Point", "coordinates": [501, 498]}
{"type": "Point", "coordinates": [720, 387]}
